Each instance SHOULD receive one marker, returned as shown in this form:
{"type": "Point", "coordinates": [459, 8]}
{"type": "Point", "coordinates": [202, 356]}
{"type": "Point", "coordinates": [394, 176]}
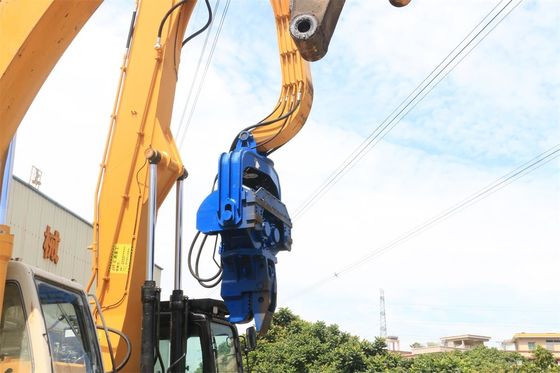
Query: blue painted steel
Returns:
{"type": "Point", "coordinates": [246, 211]}
{"type": "Point", "coordinates": [7, 181]}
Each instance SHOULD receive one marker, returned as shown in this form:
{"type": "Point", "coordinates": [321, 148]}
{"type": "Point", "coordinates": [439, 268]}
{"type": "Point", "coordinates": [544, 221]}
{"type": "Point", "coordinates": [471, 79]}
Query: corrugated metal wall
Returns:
{"type": "Point", "coordinates": [29, 213]}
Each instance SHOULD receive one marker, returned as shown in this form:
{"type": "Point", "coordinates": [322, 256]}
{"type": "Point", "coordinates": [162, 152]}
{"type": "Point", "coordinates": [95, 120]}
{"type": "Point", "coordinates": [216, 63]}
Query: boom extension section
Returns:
{"type": "Point", "coordinates": [312, 24]}
{"type": "Point", "coordinates": [254, 226]}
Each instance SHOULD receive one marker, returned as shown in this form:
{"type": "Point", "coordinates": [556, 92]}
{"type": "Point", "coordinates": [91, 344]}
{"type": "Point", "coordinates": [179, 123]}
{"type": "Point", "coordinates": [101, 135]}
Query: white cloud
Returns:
{"type": "Point", "coordinates": [496, 110]}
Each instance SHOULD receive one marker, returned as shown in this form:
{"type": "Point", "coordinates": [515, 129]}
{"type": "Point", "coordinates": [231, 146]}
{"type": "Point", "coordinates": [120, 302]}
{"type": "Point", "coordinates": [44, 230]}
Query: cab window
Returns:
{"type": "Point", "coordinates": [66, 319]}
{"type": "Point", "coordinates": [223, 343]}
{"type": "Point", "coordinates": [15, 351]}
{"type": "Point", "coordinates": [194, 352]}
{"type": "Point", "coordinates": [193, 358]}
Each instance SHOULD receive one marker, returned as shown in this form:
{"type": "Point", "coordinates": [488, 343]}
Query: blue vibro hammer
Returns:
{"type": "Point", "coordinates": [254, 225]}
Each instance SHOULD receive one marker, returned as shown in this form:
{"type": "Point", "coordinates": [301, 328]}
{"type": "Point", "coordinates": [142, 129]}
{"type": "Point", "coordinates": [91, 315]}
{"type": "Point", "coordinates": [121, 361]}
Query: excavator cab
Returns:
{"type": "Point", "coordinates": [46, 324]}
{"type": "Point", "coordinates": [210, 343]}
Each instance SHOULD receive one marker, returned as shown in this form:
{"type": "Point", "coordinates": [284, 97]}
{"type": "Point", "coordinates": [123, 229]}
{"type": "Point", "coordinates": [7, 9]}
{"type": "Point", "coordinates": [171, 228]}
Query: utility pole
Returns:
{"type": "Point", "coordinates": [382, 318]}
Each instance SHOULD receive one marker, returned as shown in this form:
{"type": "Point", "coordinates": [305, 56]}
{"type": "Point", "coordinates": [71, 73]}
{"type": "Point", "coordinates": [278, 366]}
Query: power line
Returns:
{"type": "Point", "coordinates": [211, 54]}
{"type": "Point", "coordinates": [526, 168]}
{"type": "Point", "coordinates": [409, 103]}
{"type": "Point", "coordinates": [474, 323]}
{"type": "Point", "coordinates": [198, 64]}
{"type": "Point", "coordinates": [552, 308]}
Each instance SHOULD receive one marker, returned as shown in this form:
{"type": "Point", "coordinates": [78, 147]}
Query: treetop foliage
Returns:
{"type": "Point", "coordinates": [293, 345]}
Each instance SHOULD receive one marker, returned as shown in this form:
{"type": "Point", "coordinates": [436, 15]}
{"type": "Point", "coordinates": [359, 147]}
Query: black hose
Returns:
{"type": "Point", "coordinates": [127, 341]}
{"type": "Point", "coordinates": [194, 271]}
{"type": "Point", "coordinates": [164, 19]}
{"type": "Point", "coordinates": [260, 124]}
{"type": "Point", "coordinates": [203, 28]}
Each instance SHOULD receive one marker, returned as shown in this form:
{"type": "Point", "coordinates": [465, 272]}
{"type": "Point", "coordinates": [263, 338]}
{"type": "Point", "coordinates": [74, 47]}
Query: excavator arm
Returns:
{"type": "Point", "coordinates": [296, 94]}
{"type": "Point", "coordinates": [246, 210]}
{"type": "Point", "coordinates": [34, 36]}
{"type": "Point", "coordinates": [140, 133]}
{"type": "Point", "coordinates": [312, 24]}
{"type": "Point", "coordinates": [141, 162]}
{"type": "Point", "coordinates": [139, 129]}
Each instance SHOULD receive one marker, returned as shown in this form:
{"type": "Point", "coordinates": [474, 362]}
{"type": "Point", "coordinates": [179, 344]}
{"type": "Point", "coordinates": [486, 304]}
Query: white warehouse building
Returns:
{"type": "Point", "coordinates": [49, 236]}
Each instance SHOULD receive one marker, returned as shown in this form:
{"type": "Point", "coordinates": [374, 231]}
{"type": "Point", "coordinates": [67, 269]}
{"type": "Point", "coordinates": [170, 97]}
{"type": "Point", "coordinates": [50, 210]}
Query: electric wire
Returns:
{"type": "Point", "coordinates": [526, 168]}
{"type": "Point", "coordinates": [362, 149]}
{"type": "Point", "coordinates": [421, 91]}
{"type": "Point", "coordinates": [196, 71]}
{"type": "Point", "coordinates": [206, 68]}
{"type": "Point", "coordinates": [509, 308]}
{"type": "Point", "coordinates": [203, 78]}
{"type": "Point", "coordinates": [404, 105]}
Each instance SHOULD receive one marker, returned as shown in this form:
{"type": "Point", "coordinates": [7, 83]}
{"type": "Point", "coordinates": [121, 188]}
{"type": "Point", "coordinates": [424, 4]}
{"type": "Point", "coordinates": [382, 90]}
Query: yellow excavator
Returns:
{"type": "Point", "coordinates": [52, 324]}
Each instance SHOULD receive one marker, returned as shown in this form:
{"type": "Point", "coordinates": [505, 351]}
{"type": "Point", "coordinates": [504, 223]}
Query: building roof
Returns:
{"type": "Point", "coordinates": [464, 337]}
{"type": "Point", "coordinates": [535, 335]}
{"type": "Point", "coordinates": [43, 195]}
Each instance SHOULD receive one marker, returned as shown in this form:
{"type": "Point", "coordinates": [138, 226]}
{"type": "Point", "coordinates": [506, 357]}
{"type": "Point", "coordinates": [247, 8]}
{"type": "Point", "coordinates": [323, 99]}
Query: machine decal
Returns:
{"type": "Point", "coordinates": [120, 259]}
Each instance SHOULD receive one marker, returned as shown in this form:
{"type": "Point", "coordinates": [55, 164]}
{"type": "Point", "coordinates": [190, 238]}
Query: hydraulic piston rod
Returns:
{"type": "Point", "coordinates": [179, 231]}
{"type": "Point", "coordinates": [177, 301]}
{"type": "Point", "coordinates": [150, 292]}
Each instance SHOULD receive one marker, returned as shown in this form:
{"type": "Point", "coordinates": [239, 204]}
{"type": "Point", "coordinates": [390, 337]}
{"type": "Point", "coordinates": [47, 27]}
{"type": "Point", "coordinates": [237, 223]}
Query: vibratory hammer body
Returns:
{"type": "Point", "coordinates": [254, 225]}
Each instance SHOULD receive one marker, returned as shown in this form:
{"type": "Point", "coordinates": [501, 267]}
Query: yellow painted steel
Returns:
{"type": "Point", "coordinates": [296, 95]}
{"type": "Point", "coordinates": [6, 249]}
{"type": "Point", "coordinates": [34, 34]}
{"type": "Point", "coordinates": [37, 32]}
{"type": "Point", "coordinates": [140, 121]}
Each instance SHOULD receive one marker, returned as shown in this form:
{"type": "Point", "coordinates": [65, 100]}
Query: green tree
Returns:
{"type": "Point", "coordinates": [293, 345]}
{"type": "Point", "coordinates": [544, 358]}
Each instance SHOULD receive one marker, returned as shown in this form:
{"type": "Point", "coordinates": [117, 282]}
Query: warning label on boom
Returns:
{"type": "Point", "coordinates": [120, 260]}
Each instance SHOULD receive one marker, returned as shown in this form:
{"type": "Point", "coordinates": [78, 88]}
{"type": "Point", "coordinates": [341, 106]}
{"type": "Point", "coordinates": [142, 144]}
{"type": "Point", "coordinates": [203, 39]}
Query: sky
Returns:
{"type": "Point", "coordinates": [491, 269]}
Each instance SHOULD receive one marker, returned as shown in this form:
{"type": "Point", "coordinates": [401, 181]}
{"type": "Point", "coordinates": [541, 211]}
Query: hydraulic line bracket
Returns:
{"type": "Point", "coordinates": [254, 225]}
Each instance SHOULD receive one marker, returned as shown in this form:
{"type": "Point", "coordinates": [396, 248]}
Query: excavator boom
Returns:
{"type": "Point", "coordinates": [140, 124]}
{"type": "Point", "coordinates": [141, 163]}
{"type": "Point", "coordinates": [35, 34]}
